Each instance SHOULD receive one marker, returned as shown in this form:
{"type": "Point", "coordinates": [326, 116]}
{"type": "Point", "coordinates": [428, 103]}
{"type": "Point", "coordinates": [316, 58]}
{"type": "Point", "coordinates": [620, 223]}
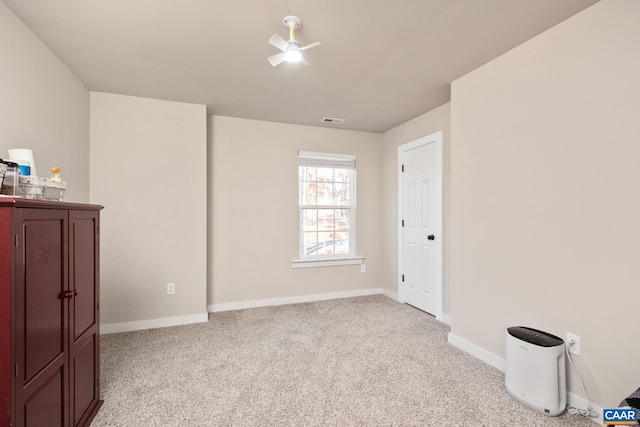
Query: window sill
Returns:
{"type": "Point", "coordinates": [326, 262]}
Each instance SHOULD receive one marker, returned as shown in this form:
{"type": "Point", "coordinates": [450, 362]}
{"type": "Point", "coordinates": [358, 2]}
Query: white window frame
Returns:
{"type": "Point", "coordinates": [317, 159]}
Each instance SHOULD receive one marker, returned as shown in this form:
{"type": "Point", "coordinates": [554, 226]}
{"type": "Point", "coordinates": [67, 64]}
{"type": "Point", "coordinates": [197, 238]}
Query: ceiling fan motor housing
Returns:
{"type": "Point", "coordinates": [291, 22]}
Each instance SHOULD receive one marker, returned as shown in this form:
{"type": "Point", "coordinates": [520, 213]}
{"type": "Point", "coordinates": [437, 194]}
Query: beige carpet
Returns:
{"type": "Point", "coordinates": [366, 361]}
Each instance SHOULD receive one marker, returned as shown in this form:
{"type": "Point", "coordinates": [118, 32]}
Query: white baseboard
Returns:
{"type": "Point", "coordinates": [581, 403]}
{"type": "Point", "coordinates": [200, 318]}
{"type": "Point", "coordinates": [389, 294]}
{"type": "Point", "coordinates": [153, 323]}
{"type": "Point", "coordinates": [499, 363]}
{"type": "Point", "coordinates": [445, 318]}
{"type": "Point", "coordinates": [478, 352]}
{"type": "Point", "coordinates": [214, 308]}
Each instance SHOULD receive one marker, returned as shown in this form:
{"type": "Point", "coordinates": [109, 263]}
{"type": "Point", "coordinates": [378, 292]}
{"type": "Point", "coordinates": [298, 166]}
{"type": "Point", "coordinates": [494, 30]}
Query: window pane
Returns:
{"type": "Point", "coordinates": [325, 174]}
{"type": "Point", "coordinates": [342, 243]}
{"type": "Point", "coordinates": [309, 219]}
{"type": "Point", "coordinates": [307, 173]}
{"type": "Point", "coordinates": [326, 220]}
{"type": "Point", "coordinates": [325, 193]}
{"type": "Point", "coordinates": [342, 175]}
{"type": "Point", "coordinates": [326, 244]}
{"type": "Point", "coordinates": [342, 220]}
{"type": "Point", "coordinates": [310, 243]}
{"type": "Point", "coordinates": [342, 194]}
{"type": "Point", "coordinates": [308, 193]}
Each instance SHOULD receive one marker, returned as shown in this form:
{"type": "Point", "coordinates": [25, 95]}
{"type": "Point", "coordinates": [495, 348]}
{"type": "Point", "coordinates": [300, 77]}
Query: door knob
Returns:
{"type": "Point", "coordinates": [431, 237]}
{"type": "Point", "coordinates": [67, 294]}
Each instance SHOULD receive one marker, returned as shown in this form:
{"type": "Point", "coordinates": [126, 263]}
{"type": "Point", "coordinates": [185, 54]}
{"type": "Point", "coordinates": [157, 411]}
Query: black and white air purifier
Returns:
{"type": "Point", "coordinates": [535, 370]}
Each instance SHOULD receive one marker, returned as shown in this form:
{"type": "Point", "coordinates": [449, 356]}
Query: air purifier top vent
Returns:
{"type": "Point", "coordinates": [534, 336]}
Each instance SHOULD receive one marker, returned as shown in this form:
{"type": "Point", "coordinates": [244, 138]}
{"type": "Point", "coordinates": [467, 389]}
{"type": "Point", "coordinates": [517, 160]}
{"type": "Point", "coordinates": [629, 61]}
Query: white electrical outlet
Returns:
{"type": "Point", "coordinates": [171, 288]}
{"type": "Point", "coordinates": [573, 344]}
{"type": "Point", "coordinates": [363, 268]}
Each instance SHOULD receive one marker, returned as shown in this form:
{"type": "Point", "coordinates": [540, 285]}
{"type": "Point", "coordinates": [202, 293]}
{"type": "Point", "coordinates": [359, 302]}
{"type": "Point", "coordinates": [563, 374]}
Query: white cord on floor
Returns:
{"type": "Point", "coordinates": [589, 412]}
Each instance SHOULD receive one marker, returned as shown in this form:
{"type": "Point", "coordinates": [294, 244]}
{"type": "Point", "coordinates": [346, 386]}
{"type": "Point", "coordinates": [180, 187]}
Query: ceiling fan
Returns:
{"type": "Point", "coordinates": [291, 50]}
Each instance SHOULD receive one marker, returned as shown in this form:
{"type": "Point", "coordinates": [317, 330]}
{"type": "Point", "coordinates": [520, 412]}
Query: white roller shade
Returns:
{"type": "Point", "coordinates": [326, 160]}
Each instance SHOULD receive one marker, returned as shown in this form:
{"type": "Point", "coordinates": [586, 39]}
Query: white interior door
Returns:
{"type": "Point", "coordinates": [420, 258]}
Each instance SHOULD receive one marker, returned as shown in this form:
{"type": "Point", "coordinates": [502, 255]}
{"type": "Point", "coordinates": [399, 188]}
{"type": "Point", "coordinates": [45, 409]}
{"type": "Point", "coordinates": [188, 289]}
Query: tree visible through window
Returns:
{"type": "Point", "coordinates": [327, 204]}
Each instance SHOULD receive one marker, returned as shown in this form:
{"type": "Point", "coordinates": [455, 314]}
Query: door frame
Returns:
{"type": "Point", "coordinates": [437, 139]}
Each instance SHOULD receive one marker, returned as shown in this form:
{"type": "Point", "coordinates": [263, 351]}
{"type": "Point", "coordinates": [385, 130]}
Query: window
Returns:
{"type": "Point", "coordinates": [327, 205]}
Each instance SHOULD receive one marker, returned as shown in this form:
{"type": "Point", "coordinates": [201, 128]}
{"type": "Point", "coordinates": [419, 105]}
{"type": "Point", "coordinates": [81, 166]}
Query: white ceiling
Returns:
{"type": "Point", "coordinates": [381, 62]}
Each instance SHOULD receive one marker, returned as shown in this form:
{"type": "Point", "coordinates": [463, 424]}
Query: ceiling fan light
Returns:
{"type": "Point", "coordinates": [292, 55]}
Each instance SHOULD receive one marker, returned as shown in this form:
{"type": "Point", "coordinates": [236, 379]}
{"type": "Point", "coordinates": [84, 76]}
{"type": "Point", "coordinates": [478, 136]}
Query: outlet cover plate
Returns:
{"type": "Point", "coordinates": [575, 349]}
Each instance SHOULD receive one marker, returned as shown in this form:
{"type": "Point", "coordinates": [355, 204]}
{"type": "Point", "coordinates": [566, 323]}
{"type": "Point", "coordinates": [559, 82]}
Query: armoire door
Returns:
{"type": "Point", "coordinates": [83, 316]}
{"type": "Point", "coordinates": [41, 387]}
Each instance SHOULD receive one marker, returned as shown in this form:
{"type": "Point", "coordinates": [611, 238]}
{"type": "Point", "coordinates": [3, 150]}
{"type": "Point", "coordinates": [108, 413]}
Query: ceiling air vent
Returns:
{"type": "Point", "coordinates": [333, 120]}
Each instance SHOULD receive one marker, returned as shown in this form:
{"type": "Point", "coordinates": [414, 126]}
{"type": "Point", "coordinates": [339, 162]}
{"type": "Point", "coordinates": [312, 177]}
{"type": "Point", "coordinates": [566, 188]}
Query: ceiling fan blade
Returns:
{"type": "Point", "coordinates": [276, 59]}
{"type": "Point", "coordinates": [277, 41]}
{"type": "Point", "coordinates": [314, 44]}
{"type": "Point", "coordinates": [305, 62]}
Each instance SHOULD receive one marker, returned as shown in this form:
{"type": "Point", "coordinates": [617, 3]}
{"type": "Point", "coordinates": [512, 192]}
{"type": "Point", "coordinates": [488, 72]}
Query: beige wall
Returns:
{"type": "Point", "coordinates": [254, 214]}
{"type": "Point", "coordinates": [438, 119]}
{"type": "Point", "coordinates": [545, 192]}
{"type": "Point", "coordinates": [44, 107]}
{"type": "Point", "coordinates": [148, 168]}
